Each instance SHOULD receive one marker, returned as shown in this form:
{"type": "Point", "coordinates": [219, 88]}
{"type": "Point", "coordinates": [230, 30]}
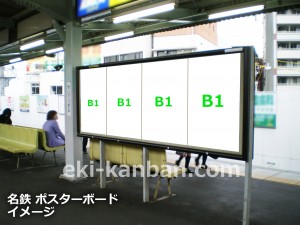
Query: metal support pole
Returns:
{"type": "Point", "coordinates": [72, 49]}
{"type": "Point", "coordinates": [102, 165]}
{"type": "Point", "coordinates": [248, 164]}
{"type": "Point", "coordinates": [145, 175]}
{"type": "Point", "coordinates": [247, 192]}
{"type": "Point", "coordinates": [270, 51]}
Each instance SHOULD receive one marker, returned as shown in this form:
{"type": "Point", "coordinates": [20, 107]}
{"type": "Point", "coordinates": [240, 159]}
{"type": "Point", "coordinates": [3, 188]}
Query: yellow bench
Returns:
{"type": "Point", "coordinates": [42, 141]}
{"type": "Point", "coordinates": [18, 140]}
{"type": "Point", "coordinates": [131, 155]}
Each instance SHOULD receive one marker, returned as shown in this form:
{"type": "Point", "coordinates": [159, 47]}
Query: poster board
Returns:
{"type": "Point", "coordinates": [24, 103]}
{"type": "Point", "coordinates": [265, 110]}
{"type": "Point", "coordinates": [42, 103]}
{"type": "Point", "coordinates": [195, 102]}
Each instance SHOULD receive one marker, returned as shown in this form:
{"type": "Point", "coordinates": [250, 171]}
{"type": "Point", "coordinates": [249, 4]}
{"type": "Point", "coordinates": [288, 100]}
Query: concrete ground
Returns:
{"type": "Point", "coordinates": [280, 176]}
{"type": "Point", "coordinates": [205, 201]}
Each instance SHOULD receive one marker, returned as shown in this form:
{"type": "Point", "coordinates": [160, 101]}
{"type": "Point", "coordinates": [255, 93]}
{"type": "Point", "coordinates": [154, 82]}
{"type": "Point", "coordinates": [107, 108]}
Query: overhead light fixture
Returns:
{"type": "Point", "coordinates": [144, 13]}
{"type": "Point", "coordinates": [32, 45]}
{"type": "Point", "coordinates": [118, 36]}
{"type": "Point", "coordinates": [34, 36]}
{"type": "Point", "coordinates": [179, 21]}
{"type": "Point", "coordinates": [55, 50]}
{"type": "Point", "coordinates": [236, 12]}
{"type": "Point", "coordinates": [15, 60]}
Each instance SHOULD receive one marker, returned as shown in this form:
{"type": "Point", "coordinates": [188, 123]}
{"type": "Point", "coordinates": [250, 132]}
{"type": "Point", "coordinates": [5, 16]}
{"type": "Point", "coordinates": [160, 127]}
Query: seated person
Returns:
{"type": "Point", "coordinates": [5, 116]}
{"type": "Point", "coordinates": [54, 135]}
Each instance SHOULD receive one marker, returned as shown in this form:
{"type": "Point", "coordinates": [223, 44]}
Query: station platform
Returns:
{"type": "Point", "coordinates": [205, 201]}
{"type": "Point", "coordinates": [269, 174]}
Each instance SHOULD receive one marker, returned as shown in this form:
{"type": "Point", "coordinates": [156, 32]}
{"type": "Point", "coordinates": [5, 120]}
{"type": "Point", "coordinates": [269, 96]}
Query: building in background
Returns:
{"type": "Point", "coordinates": [192, 39]}
{"type": "Point", "coordinates": [282, 48]}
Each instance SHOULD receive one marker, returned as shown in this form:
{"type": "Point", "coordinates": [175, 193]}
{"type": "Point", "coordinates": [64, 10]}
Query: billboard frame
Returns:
{"type": "Point", "coordinates": [247, 91]}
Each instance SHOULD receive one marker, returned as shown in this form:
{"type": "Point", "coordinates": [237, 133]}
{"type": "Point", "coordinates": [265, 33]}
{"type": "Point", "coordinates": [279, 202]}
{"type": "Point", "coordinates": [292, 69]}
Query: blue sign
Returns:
{"type": "Point", "coordinates": [87, 7]}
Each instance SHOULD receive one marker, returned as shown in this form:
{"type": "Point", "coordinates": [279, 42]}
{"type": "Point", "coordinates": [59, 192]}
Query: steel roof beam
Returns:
{"type": "Point", "coordinates": [7, 22]}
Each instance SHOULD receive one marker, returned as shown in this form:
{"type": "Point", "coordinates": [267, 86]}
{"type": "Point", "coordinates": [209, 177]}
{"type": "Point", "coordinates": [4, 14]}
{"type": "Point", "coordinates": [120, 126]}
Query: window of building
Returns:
{"type": "Point", "coordinates": [296, 11]}
{"type": "Point", "coordinates": [288, 28]}
{"type": "Point", "coordinates": [291, 63]}
{"type": "Point", "coordinates": [109, 59]}
{"type": "Point", "coordinates": [282, 63]}
{"type": "Point", "coordinates": [295, 45]}
{"type": "Point", "coordinates": [56, 90]}
{"type": "Point", "coordinates": [282, 80]}
{"type": "Point", "coordinates": [292, 28]}
{"type": "Point", "coordinates": [295, 63]}
{"type": "Point", "coordinates": [165, 53]}
{"type": "Point", "coordinates": [131, 56]}
{"type": "Point", "coordinates": [123, 57]}
{"type": "Point", "coordinates": [283, 28]}
{"type": "Point", "coordinates": [174, 52]}
{"type": "Point", "coordinates": [283, 45]}
{"type": "Point", "coordinates": [35, 88]}
{"type": "Point", "coordinates": [281, 12]}
{"type": "Point", "coordinates": [288, 80]}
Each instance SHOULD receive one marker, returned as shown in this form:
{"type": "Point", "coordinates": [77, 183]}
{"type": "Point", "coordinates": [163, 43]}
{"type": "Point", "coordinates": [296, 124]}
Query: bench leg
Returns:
{"type": "Point", "coordinates": [18, 161]}
{"type": "Point", "coordinates": [44, 154]}
{"type": "Point", "coordinates": [54, 158]}
{"type": "Point", "coordinates": [169, 187]}
{"type": "Point", "coordinates": [31, 159]}
{"type": "Point", "coordinates": [157, 187]}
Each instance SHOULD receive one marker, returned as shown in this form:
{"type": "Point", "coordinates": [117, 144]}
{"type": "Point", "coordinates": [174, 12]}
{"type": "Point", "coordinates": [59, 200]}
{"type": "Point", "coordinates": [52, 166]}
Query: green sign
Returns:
{"type": "Point", "coordinates": [265, 110]}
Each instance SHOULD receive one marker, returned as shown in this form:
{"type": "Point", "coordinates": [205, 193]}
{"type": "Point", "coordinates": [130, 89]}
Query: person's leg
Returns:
{"type": "Point", "coordinates": [177, 162]}
{"type": "Point", "coordinates": [197, 159]}
{"type": "Point", "coordinates": [84, 144]}
{"type": "Point", "coordinates": [187, 163]}
{"type": "Point", "coordinates": [204, 158]}
{"type": "Point", "coordinates": [59, 142]}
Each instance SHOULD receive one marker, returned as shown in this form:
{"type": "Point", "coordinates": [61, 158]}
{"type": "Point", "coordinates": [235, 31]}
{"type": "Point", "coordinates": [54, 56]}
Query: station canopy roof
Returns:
{"type": "Point", "coordinates": [26, 21]}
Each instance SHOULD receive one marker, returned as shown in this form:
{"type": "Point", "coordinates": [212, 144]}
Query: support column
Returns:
{"type": "Point", "coordinates": [102, 165]}
{"type": "Point", "coordinates": [248, 164]}
{"type": "Point", "coordinates": [73, 143]}
{"type": "Point", "coordinates": [271, 51]}
{"type": "Point", "coordinates": [145, 175]}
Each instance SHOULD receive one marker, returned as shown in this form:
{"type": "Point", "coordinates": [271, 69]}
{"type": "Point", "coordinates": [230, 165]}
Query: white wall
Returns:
{"type": "Point", "coordinates": [280, 148]}
{"type": "Point", "coordinates": [195, 42]}
{"type": "Point", "coordinates": [131, 45]}
{"type": "Point", "coordinates": [21, 86]}
{"type": "Point", "coordinates": [49, 79]}
{"type": "Point", "coordinates": [33, 118]}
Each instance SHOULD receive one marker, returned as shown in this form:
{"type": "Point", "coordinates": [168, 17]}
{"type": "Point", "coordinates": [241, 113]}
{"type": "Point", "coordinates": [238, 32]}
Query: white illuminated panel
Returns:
{"type": "Point", "coordinates": [216, 126]}
{"type": "Point", "coordinates": [166, 119]}
{"type": "Point", "coordinates": [93, 101]}
{"type": "Point", "coordinates": [124, 101]}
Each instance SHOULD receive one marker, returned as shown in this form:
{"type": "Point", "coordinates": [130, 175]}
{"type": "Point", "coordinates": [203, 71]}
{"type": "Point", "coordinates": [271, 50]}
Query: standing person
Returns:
{"type": "Point", "coordinates": [84, 144]}
{"type": "Point", "coordinates": [5, 116]}
{"type": "Point", "coordinates": [187, 157]}
{"type": "Point", "coordinates": [53, 133]}
{"type": "Point", "coordinates": [204, 158]}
